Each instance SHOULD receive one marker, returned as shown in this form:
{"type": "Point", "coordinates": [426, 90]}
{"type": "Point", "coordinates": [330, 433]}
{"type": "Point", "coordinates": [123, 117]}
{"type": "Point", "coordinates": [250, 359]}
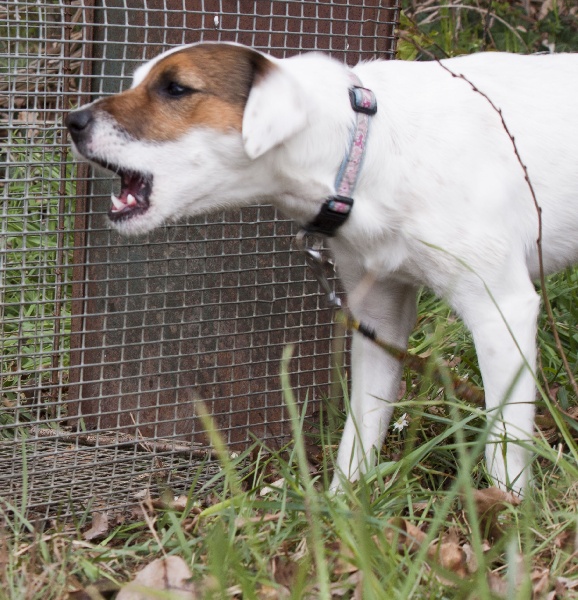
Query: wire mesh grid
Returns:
{"type": "Point", "coordinates": [107, 343]}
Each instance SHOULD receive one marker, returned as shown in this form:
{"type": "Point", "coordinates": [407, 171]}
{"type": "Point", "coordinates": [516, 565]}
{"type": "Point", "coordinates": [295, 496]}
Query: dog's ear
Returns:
{"type": "Point", "coordinates": [275, 108]}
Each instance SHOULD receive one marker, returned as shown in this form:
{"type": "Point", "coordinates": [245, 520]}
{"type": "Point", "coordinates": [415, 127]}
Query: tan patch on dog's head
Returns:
{"type": "Point", "coordinates": [205, 85]}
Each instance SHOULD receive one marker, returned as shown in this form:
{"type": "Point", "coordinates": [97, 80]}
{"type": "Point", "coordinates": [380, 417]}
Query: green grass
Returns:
{"type": "Point", "coordinates": [297, 541]}
{"type": "Point", "coordinates": [254, 540]}
{"type": "Point", "coordinates": [449, 29]}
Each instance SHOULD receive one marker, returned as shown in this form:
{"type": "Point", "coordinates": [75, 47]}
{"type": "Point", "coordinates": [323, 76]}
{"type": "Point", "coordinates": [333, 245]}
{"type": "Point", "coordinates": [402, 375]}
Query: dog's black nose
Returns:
{"type": "Point", "coordinates": [78, 122]}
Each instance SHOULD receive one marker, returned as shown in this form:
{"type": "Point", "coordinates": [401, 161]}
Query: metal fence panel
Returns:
{"type": "Point", "coordinates": [107, 343]}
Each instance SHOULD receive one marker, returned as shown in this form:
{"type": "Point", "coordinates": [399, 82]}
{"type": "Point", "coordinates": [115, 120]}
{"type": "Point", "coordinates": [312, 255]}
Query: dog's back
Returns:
{"type": "Point", "coordinates": [444, 143]}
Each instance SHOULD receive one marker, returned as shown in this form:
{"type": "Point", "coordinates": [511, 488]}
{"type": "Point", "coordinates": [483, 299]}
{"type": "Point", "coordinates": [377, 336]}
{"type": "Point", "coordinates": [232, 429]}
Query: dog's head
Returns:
{"type": "Point", "coordinates": [186, 136]}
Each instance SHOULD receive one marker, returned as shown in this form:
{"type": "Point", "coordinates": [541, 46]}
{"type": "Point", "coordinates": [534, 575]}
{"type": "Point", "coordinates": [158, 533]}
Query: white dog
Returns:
{"type": "Point", "coordinates": [440, 200]}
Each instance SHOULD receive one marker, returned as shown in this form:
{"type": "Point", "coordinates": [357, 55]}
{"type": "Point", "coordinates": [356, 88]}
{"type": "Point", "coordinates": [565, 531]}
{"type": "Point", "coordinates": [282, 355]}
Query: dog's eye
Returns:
{"type": "Point", "coordinates": [176, 90]}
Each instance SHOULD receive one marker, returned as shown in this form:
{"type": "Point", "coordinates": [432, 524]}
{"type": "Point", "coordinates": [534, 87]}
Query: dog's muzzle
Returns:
{"type": "Point", "coordinates": [135, 186]}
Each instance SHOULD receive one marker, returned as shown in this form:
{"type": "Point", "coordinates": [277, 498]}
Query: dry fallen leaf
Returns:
{"type": "Point", "coordinates": [450, 556]}
{"type": "Point", "coordinates": [345, 562]}
{"type": "Point", "coordinates": [99, 590]}
{"type": "Point", "coordinates": [498, 585]}
{"type": "Point", "coordinates": [170, 573]}
{"type": "Point", "coordinates": [99, 526]}
{"type": "Point", "coordinates": [407, 535]}
{"type": "Point", "coordinates": [563, 584]}
{"type": "Point", "coordinates": [267, 592]}
{"type": "Point", "coordinates": [567, 540]}
{"type": "Point", "coordinates": [489, 503]}
{"type": "Point", "coordinates": [493, 497]}
{"type": "Point", "coordinates": [540, 579]}
{"type": "Point", "coordinates": [180, 502]}
{"type": "Point", "coordinates": [447, 553]}
{"type": "Point", "coordinates": [284, 570]}
{"type": "Point", "coordinates": [471, 559]}
{"type": "Point", "coordinates": [342, 588]}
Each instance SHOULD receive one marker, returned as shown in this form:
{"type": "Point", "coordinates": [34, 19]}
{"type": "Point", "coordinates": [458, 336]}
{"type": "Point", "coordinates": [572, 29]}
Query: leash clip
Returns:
{"type": "Point", "coordinates": [312, 245]}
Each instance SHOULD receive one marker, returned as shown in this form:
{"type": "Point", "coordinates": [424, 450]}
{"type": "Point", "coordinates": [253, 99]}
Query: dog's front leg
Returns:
{"type": "Point", "coordinates": [390, 309]}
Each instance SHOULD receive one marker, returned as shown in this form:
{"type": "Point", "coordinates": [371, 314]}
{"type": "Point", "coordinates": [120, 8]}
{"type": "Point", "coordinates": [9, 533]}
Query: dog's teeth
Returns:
{"type": "Point", "coordinates": [116, 203]}
{"type": "Point", "coordinates": [131, 200]}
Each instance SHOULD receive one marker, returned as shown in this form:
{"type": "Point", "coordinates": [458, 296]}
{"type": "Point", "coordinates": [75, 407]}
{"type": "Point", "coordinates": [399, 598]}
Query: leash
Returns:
{"type": "Point", "coordinates": [334, 212]}
{"type": "Point", "coordinates": [323, 268]}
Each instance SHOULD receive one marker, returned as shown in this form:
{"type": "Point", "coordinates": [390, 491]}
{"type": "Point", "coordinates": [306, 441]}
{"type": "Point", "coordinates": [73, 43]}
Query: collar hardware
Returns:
{"type": "Point", "coordinates": [362, 100]}
{"type": "Point", "coordinates": [336, 209]}
{"type": "Point", "coordinates": [311, 243]}
{"type": "Point", "coordinates": [332, 215]}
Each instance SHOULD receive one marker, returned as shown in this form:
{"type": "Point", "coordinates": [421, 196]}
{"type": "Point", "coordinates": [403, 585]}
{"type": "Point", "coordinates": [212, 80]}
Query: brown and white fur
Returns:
{"type": "Point", "coordinates": [441, 200]}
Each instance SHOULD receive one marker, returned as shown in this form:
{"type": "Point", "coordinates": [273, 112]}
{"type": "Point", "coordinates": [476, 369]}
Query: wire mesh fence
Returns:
{"type": "Point", "coordinates": [107, 343]}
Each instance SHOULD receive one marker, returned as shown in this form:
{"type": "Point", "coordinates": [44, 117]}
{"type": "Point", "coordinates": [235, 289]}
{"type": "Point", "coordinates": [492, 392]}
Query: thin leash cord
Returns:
{"type": "Point", "coordinates": [319, 265]}
{"type": "Point", "coordinates": [461, 388]}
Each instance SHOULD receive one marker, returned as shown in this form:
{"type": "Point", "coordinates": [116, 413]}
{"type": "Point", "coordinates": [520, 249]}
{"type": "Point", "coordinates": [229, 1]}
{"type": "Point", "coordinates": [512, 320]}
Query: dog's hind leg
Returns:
{"type": "Point", "coordinates": [504, 332]}
{"type": "Point", "coordinates": [390, 309]}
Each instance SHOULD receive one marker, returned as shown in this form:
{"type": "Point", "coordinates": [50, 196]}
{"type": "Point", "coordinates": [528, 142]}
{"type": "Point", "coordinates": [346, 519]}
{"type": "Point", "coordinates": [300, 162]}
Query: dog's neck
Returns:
{"type": "Point", "coordinates": [336, 209]}
{"type": "Point", "coordinates": [309, 167]}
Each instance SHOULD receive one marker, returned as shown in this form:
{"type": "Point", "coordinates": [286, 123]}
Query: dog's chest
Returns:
{"type": "Point", "coordinates": [395, 258]}
{"type": "Point", "coordinates": [391, 257]}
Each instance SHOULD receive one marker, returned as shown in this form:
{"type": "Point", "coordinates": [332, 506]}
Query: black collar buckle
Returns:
{"type": "Point", "coordinates": [333, 214]}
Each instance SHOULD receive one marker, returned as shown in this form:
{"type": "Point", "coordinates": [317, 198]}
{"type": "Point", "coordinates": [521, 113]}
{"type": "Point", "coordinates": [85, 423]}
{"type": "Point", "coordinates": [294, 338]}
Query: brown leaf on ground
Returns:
{"type": "Point", "coordinates": [170, 573]}
{"type": "Point", "coordinates": [450, 556]}
{"type": "Point", "coordinates": [498, 585]}
{"type": "Point", "coordinates": [540, 578]}
{"type": "Point", "coordinates": [284, 570]}
{"type": "Point", "coordinates": [99, 590]}
{"type": "Point", "coordinates": [567, 540]}
{"type": "Point", "coordinates": [489, 503]}
{"type": "Point", "coordinates": [268, 592]}
{"type": "Point", "coordinates": [492, 498]}
{"type": "Point", "coordinates": [343, 558]}
{"type": "Point", "coordinates": [405, 534]}
{"type": "Point", "coordinates": [563, 584]}
{"type": "Point", "coordinates": [4, 558]}
{"type": "Point", "coordinates": [446, 553]}
{"type": "Point", "coordinates": [358, 592]}
{"type": "Point", "coordinates": [99, 526]}
{"type": "Point", "coordinates": [240, 522]}
{"type": "Point", "coordinates": [169, 499]}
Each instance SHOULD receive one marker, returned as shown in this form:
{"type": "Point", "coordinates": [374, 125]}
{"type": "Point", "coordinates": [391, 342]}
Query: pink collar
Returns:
{"type": "Point", "coordinates": [336, 208]}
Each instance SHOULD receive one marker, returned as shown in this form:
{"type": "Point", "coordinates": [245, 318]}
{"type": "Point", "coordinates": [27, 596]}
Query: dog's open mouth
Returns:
{"type": "Point", "coordinates": [133, 199]}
